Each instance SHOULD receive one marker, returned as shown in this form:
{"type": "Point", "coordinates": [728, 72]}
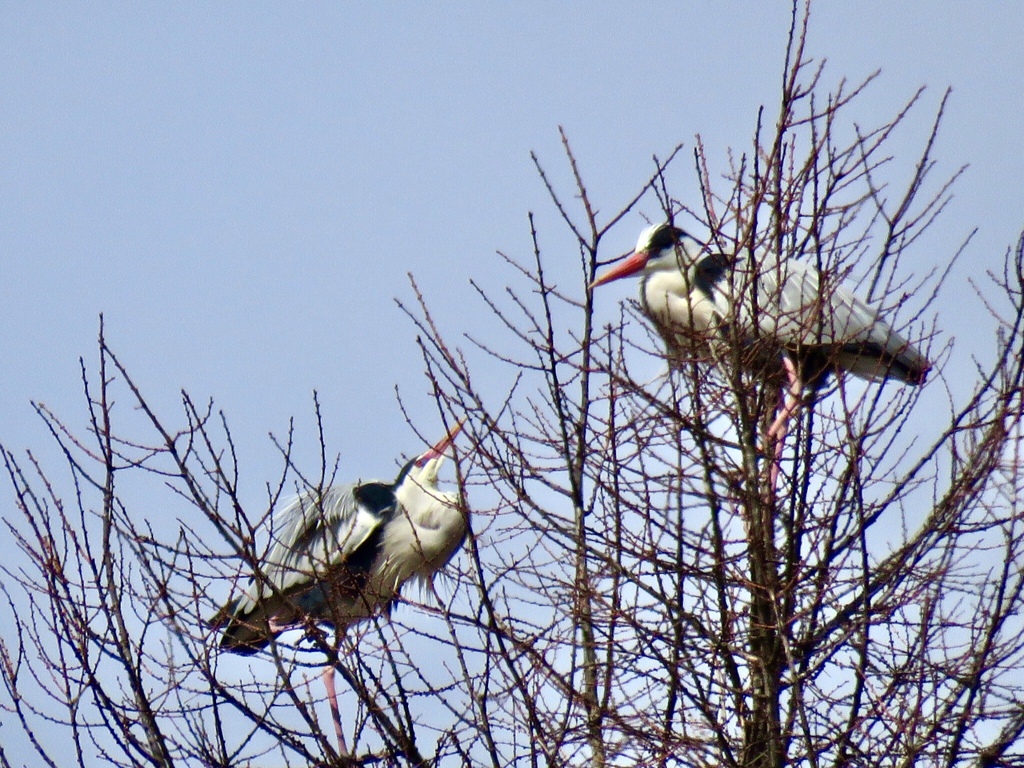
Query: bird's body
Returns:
{"type": "Point", "coordinates": [339, 556]}
{"type": "Point", "coordinates": [780, 319]}
{"type": "Point", "coordinates": [343, 555]}
{"type": "Point", "coordinates": [705, 303]}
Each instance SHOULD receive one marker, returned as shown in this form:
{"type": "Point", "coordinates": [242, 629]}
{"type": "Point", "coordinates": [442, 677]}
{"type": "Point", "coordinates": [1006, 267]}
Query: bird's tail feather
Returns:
{"type": "Point", "coordinates": [244, 635]}
{"type": "Point", "coordinates": [872, 361]}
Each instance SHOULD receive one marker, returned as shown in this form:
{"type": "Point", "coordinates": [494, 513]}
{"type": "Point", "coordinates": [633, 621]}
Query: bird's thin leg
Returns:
{"type": "Point", "coordinates": [780, 427]}
{"type": "Point", "coordinates": [332, 697]}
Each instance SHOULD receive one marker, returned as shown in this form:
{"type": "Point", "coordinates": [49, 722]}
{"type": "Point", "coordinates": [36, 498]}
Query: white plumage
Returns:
{"type": "Point", "coordinates": [780, 319]}
{"type": "Point", "coordinates": [338, 557]}
{"type": "Point", "coordinates": [701, 301]}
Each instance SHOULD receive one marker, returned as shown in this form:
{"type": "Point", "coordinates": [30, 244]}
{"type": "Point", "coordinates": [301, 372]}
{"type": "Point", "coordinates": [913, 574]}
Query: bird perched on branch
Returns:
{"type": "Point", "coordinates": [780, 319]}
{"type": "Point", "coordinates": [340, 556]}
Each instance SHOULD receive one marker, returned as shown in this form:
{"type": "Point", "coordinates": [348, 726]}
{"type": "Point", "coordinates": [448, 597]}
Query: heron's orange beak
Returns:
{"type": "Point", "coordinates": [444, 443]}
{"type": "Point", "coordinates": [628, 266]}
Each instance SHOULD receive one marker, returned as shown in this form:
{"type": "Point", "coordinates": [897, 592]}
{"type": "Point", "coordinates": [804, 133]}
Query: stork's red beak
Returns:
{"type": "Point", "coordinates": [444, 443]}
{"type": "Point", "coordinates": [628, 266]}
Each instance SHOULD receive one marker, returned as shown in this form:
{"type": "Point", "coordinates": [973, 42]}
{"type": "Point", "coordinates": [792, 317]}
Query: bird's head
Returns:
{"type": "Point", "coordinates": [660, 246]}
{"type": "Point", "coordinates": [416, 487]}
{"type": "Point", "coordinates": [422, 471]}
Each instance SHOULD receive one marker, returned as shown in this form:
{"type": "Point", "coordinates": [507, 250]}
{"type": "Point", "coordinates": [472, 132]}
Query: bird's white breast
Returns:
{"type": "Point", "coordinates": [426, 531]}
{"type": "Point", "coordinates": [676, 306]}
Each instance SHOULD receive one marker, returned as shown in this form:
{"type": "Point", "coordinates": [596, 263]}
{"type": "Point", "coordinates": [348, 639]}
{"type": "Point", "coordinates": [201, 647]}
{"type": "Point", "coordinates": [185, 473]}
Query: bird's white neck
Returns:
{"type": "Point", "coordinates": [671, 300]}
{"type": "Point", "coordinates": [428, 522]}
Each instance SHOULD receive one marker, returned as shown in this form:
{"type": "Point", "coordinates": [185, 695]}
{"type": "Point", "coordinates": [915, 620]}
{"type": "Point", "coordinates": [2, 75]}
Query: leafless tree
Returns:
{"type": "Point", "coordinates": [634, 590]}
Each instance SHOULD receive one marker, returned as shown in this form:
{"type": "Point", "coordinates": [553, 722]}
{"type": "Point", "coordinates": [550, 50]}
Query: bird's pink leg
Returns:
{"type": "Point", "coordinates": [780, 427]}
{"type": "Point", "coordinates": [332, 697]}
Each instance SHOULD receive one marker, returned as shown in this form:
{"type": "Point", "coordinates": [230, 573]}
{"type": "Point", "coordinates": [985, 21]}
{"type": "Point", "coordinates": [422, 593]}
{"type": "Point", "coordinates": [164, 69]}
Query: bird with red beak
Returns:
{"type": "Point", "coordinates": [781, 319]}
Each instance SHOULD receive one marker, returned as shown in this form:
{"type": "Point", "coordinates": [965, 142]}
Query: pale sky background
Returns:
{"type": "Point", "coordinates": [242, 188]}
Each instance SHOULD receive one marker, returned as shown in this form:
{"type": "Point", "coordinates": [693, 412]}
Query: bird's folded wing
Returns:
{"type": "Point", "coordinates": [315, 533]}
{"type": "Point", "coordinates": [810, 309]}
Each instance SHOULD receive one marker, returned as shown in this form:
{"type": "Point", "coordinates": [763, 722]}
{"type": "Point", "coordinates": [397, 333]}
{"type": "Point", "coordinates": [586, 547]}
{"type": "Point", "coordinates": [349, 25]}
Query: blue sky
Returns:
{"type": "Point", "coordinates": [242, 192]}
{"type": "Point", "coordinates": [242, 189]}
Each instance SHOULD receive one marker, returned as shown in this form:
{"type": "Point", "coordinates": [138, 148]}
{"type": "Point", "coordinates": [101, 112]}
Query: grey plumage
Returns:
{"type": "Point", "coordinates": [782, 320]}
{"type": "Point", "coordinates": [338, 557]}
{"type": "Point", "coordinates": [709, 303]}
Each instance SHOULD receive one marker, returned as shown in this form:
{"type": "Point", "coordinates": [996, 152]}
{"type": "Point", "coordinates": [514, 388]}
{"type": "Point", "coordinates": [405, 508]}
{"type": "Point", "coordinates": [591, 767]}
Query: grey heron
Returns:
{"type": "Point", "coordinates": [787, 320]}
{"type": "Point", "coordinates": [342, 555]}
